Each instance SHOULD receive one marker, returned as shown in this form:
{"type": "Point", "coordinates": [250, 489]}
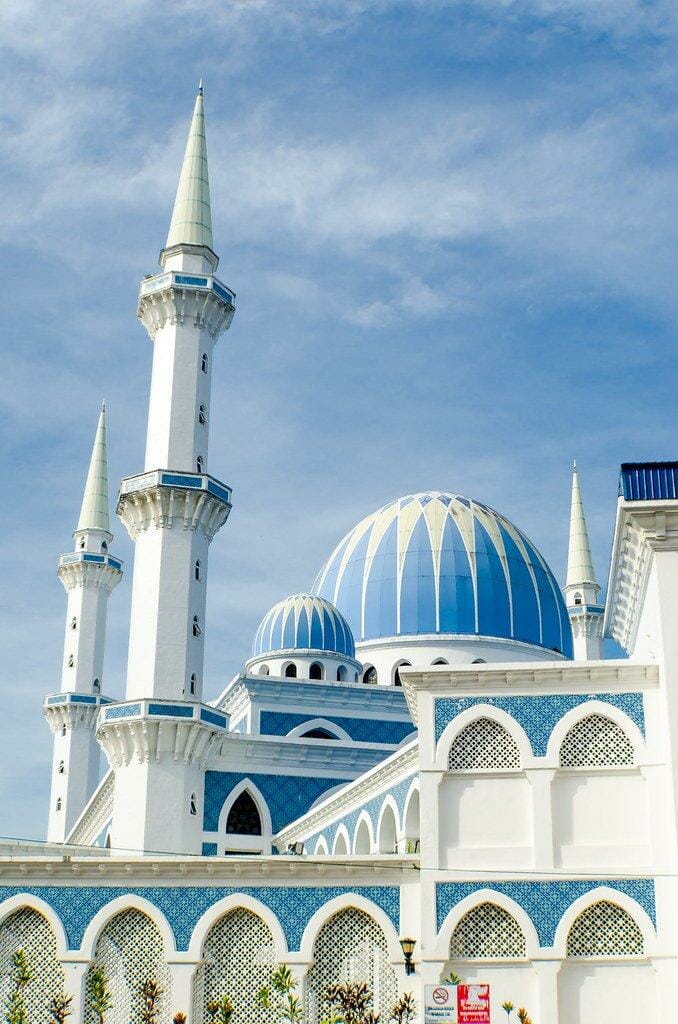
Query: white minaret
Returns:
{"type": "Point", "coordinates": [581, 588]}
{"type": "Point", "coordinates": [172, 511]}
{"type": "Point", "coordinates": [88, 574]}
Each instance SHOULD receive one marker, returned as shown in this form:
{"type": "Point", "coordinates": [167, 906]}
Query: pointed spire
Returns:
{"type": "Point", "coordinates": [579, 561]}
{"type": "Point", "coordinates": [191, 217]}
{"type": "Point", "coordinates": [94, 511]}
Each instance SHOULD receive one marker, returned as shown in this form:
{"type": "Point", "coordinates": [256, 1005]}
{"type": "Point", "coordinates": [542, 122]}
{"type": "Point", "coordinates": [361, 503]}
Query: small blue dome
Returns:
{"type": "Point", "coordinates": [304, 623]}
{"type": "Point", "coordinates": [439, 563]}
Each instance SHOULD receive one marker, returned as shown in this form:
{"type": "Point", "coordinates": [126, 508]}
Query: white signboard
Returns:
{"type": "Point", "coordinates": [457, 1004]}
{"type": "Point", "coordinates": [441, 1004]}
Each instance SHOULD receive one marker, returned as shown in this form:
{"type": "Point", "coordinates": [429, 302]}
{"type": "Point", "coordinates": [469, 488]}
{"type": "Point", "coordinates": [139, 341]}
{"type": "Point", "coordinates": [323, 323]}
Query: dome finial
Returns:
{"type": "Point", "coordinates": [191, 222]}
{"type": "Point", "coordinates": [94, 511]}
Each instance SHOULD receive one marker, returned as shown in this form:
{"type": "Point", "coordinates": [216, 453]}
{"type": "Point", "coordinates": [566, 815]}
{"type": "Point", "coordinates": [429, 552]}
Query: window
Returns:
{"type": "Point", "coordinates": [71, 661]}
{"type": "Point", "coordinates": [479, 661]}
{"type": "Point", "coordinates": [596, 742]}
{"type": "Point", "coordinates": [58, 803]}
{"type": "Point", "coordinates": [487, 932]}
{"type": "Point", "coordinates": [577, 598]}
{"type": "Point", "coordinates": [264, 670]}
{"type": "Point", "coordinates": [63, 729]}
{"type": "Point", "coordinates": [196, 570]}
{"type": "Point", "coordinates": [440, 661]}
{"type": "Point", "coordinates": [483, 744]}
{"type": "Point", "coordinates": [199, 463]}
{"type": "Point", "coordinates": [104, 546]}
{"type": "Point", "coordinates": [193, 804]}
{"type": "Point", "coordinates": [82, 542]}
{"type": "Point", "coordinates": [196, 626]}
{"type": "Point", "coordinates": [315, 671]}
{"type": "Point", "coordinates": [244, 818]}
{"type": "Point", "coordinates": [342, 674]}
{"type": "Point", "coordinates": [318, 734]}
{"type": "Point", "coordinates": [604, 929]}
{"type": "Point", "coordinates": [61, 770]}
{"type": "Point", "coordinates": [193, 683]}
{"type": "Point", "coordinates": [291, 671]}
{"type": "Point", "coordinates": [397, 681]}
{"type": "Point", "coordinates": [74, 623]}
{"type": "Point", "coordinates": [96, 686]}
{"type": "Point", "coordinates": [202, 415]}
{"type": "Point", "coordinates": [204, 362]}
{"type": "Point", "coordinates": [370, 675]}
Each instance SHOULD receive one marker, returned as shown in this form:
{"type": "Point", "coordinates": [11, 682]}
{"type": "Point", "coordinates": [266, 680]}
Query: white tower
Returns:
{"type": "Point", "coordinates": [581, 588]}
{"type": "Point", "coordinates": [159, 739]}
{"type": "Point", "coordinates": [88, 574]}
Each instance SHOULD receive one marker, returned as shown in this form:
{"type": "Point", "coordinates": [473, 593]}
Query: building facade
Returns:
{"type": "Point", "coordinates": [427, 744]}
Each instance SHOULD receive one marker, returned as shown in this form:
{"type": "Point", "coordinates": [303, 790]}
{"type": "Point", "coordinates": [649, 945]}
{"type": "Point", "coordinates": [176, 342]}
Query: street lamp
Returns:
{"type": "Point", "coordinates": [407, 946]}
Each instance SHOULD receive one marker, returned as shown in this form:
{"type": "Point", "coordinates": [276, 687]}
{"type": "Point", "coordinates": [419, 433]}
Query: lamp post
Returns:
{"type": "Point", "coordinates": [407, 946]}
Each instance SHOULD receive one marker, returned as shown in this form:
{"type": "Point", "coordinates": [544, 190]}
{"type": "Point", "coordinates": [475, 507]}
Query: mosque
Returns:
{"type": "Point", "coordinates": [426, 766]}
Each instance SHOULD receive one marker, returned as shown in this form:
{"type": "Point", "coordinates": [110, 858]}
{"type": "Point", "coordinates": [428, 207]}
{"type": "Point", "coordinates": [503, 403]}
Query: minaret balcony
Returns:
{"type": "Point", "coordinates": [73, 709]}
{"type": "Point", "coordinates": [147, 729]}
{"type": "Point", "coordinates": [171, 298]}
{"type": "Point", "coordinates": [80, 568]}
{"type": "Point", "coordinates": [163, 499]}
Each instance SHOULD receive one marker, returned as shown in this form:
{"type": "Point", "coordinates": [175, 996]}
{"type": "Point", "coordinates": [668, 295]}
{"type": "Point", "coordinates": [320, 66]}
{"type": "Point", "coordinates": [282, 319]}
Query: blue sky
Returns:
{"type": "Point", "coordinates": [451, 230]}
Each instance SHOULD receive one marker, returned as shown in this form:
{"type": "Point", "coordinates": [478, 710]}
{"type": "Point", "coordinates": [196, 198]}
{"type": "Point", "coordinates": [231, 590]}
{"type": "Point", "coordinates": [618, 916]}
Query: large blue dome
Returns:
{"type": "Point", "coordinates": [303, 622]}
{"type": "Point", "coordinates": [440, 563]}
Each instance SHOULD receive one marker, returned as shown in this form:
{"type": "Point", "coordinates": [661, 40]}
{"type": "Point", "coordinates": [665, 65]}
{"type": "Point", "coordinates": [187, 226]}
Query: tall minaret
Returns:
{"type": "Point", "coordinates": [581, 588]}
{"type": "Point", "coordinates": [172, 511]}
{"type": "Point", "coordinates": [88, 574]}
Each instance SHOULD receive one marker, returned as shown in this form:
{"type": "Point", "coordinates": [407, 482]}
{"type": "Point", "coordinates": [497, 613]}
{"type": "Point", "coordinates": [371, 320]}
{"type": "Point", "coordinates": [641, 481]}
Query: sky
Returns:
{"type": "Point", "coordinates": [451, 231]}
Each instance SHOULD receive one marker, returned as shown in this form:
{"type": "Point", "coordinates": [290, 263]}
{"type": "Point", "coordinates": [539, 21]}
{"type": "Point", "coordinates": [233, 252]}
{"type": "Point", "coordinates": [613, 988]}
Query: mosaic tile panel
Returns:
{"type": "Point", "coordinates": [287, 796]}
{"type": "Point", "coordinates": [362, 730]}
{"type": "Point", "coordinates": [373, 807]}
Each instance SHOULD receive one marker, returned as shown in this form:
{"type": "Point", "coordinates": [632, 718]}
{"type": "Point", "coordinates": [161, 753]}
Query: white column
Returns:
{"type": "Point", "coordinates": [74, 985]}
{"type": "Point", "coordinates": [182, 972]}
{"type": "Point", "coordinates": [547, 990]}
{"type": "Point", "coordinates": [540, 780]}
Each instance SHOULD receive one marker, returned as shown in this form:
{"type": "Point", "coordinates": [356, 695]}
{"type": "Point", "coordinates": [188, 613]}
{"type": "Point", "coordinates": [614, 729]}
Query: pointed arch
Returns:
{"type": "Point", "coordinates": [321, 723]}
{"type": "Point", "coordinates": [247, 785]}
{"type": "Point", "coordinates": [321, 849]}
{"type": "Point", "coordinates": [411, 817]}
{"type": "Point", "coordinates": [388, 826]}
{"type": "Point", "coordinates": [477, 899]}
{"type": "Point", "coordinates": [585, 710]}
{"type": "Point", "coordinates": [224, 906]}
{"type": "Point", "coordinates": [32, 902]}
{"type": "Point", "coordinates": [115, 907]}
{"type": "Point", "coordinates": [341, 846]}
{"type": "Point", "coordinates": [454, 728]}
{"type": "Point", "coordinates": [27, 928]}
{"type": "Point", "coordinates": [607, 894]}
{"type": "Point", "coordinates": [363, 837]}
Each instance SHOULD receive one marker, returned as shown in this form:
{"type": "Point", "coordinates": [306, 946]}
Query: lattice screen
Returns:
{"type": "Point", "coordinates": [350, 947]}
{"type": "Point", "coordinates": [484, 743]}
{"type": "Point", "coordinates": [131, 951]}
{"type": "Point", "coordinates": [28, 930]}
{"type": "Point", "coordinates": [595, 742]}
{"type": "Point", "coordinates": [605, 929]}
{"type": "Point", "coordinates": [487, 932]}
{"type": "Point", "coordinates": [238, 955]}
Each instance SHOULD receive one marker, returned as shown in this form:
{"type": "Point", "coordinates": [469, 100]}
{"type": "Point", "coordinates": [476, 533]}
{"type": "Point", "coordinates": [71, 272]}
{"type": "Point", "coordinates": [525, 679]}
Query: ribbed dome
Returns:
{"type": "Point", "coordinates": [303, 622]}
{"type": "Point", "coordinates": [440, 563]}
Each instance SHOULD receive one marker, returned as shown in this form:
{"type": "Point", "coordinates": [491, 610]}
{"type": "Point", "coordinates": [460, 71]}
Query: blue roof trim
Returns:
{"type": "Point", "coordinates": [648, 481]}
{"type": "Point", "coordinates": [171, 710]}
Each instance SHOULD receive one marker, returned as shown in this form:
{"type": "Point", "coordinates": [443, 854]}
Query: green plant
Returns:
{"type": "Point", "coordinates": [404, 1010]}
{"type": "Point", "coordinates": [350, 1003]}
{"type": "Point", "coordinates": [508, 1007]}
{"type": "Point", "coordinates": [100, 998]}
{"type": "Point", "coordinates": [279, 996]}
{"type": "Point", "coordinates": [20, 977]}
{"type": "Point", "coordinates": [150, 993]}
{"type": "Point", "coordinates": [219, 1010]}
{"type": "Point", "coordinates": [60, 1008]}
{"type": "Point", "coordinates": [452, 979]}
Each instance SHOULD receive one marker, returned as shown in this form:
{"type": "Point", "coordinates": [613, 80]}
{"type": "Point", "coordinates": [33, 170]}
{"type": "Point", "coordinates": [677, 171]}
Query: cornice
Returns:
{"type": "Point", "coordinates": [341, 697]}
{"type": "Point", "coordinates": [381, 777]}
{"type": "Point", "coordinates": [268, 754]}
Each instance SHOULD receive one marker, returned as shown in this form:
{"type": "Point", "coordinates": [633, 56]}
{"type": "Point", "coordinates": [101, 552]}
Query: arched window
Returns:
{"type": "Point", "coordinates": [264, 670]}
{"type": "Point", "coordinates": [199, 464]}
{"type": "Point", "coordinates": [238, 956]}
{"type": "Point", "coordinates": [61, 770]}
{"type": "Point", "coordinates": [244, 818]}
{"type": "Point", "coordinates": [596, 742]}
{"type": "Point", "coordinates": [196, 626]}
{"type": "Point", "coordinates": [202, 415]}
{"type": "Point", "coordinates": [362, 842]}
{"type": "Point", "coordinates": [104, 546]}
{"type": "Point", "coordinates": [204, 362]}
{"type": "Point", "coordinates": [71, 661]}
{"type": "Point", "coordinates": [342, 674]}
{"type": "Point", "coordinates": [397, 681]}
{"type": "Point", "coordinates": [440, 661]}
{"type": "Point", "coordinates": [479, 661]}
{"type": "Point", "coordinates": [28, 930]}
{"type": "Point", "coordinates": [74, 623]}
{"type": "Point", "coordinates": [193, 684]}
{"type": "Point", "coordinates": [317, 734]}
{"type": "Point", "coordinates": [488, 932]}
{"type": "Point", "coordinates": [196, 570]}
{"type": "Point", "coordinates": [604, 929]}
{"type": "Point", "coordinates": [315, 671]}
{"type": "Point", "coordinates": [483, 743]}
{"type": "Point", "coordinates": [58, 803]}
{"type": "Point", "coordinates": [387, 837]}
{"type": "Point", "coordinates": [82, 542]}
{"type": "Point", "coordinates": [577, 599]}
{"type": "Point", "coordinates": [291, 671]}
{"type": "Point", "coordinates": [370, 675]}
{"type": "Point", "coordinates": [193, 804]}
{"type": "Point", "coordinates": [63, 729]}
{"type": "Point", "coordinates": [96, 686]}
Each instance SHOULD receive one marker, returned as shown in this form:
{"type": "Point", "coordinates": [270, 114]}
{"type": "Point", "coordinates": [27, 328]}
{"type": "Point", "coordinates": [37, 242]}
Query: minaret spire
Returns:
{"type": "Point", "coordinates": [579, 560]}
{"type": "Point", "coordinates": [94, 510]}
{"type": "Point", "coordinates": [581, 586]}
{"type": "Point", "coordinates": [191, 222]}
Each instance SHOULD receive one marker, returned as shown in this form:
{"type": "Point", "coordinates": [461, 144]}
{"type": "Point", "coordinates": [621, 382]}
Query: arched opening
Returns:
{"type": "Point", "coordinates": [388, 830]}
{"type": "Point", "coordinates": [577, 598]}
{"type": "Point", "coordinates": [61, 769]}
{"type": "Point", "coordinates": [397, 681]}
{"type": "Point", "coordinates": [483, 743]}
{"type": "Point", "coordinates": [340, 845]}
{"type": "Point", "coordinates": [370, 675]}
{"type": "Point", "coordinates": [96, 686]}
{"type": "Point", "coordinates": [321, 847]}
{"type": "Point", "coordinates": [316, 671]}
{"type": "Point", "coordinates": [204, 362]}
{"type": "Point", "coordinates": [28, 930]}
{"type": "Point", "coordinates": [264, 670]}
{"type": "Point", "coordinates": [131, 951]}
{"type": "Point", "coordinates": [596, 742]}
{"type": "Point", "coordinates": [196, 570]}
{"type": "Point", "coordinates": [197, 631]}
{"type": "Point", "coordinates": [104, 546]}
{"type": "Point", "coordinates": [82, 543]}
{"type": "Point", "coordinates": [193, 804]}
{"type": "Point", "coordinates": [199, 464]}
{"type": "Point", "coordinates": [74, 623]}
{"type": "Point", "coordinates": [244, 818]}
{"type": "Point", "coordinates": [318, 734]}
{"type": "Point", "coordinates": [412, 823]}
{"type": "Point", "coordinates": [363, 843]}
{"type": "Point", "coordinates": [440, 661]}
{"type": "Point", "coordinates": [479, 661]}
{"type": "Point", "coordinates": [71, 661]}
{"type": "Point", "coordinates": [63, 729]}
{"type": "Point", "coordinates": [202, 415]}
{"type": "Point", "coordinates": [58, 803]}
{"type": "Point", "coordinates": [342, 674]}
{"type": "Point", "coordinates": [238, 955]}
{"type": "Point", "coordinates": [350, 947]}
{"type": "Point", "coordinates": [291, 671]}
{"type": "Point", "coordinates": [193, 684]}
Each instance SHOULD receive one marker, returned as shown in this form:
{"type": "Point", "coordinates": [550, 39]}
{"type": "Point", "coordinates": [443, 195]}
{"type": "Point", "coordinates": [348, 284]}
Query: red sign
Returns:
{"type": "Point", "coordinates": [473, 1004]}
